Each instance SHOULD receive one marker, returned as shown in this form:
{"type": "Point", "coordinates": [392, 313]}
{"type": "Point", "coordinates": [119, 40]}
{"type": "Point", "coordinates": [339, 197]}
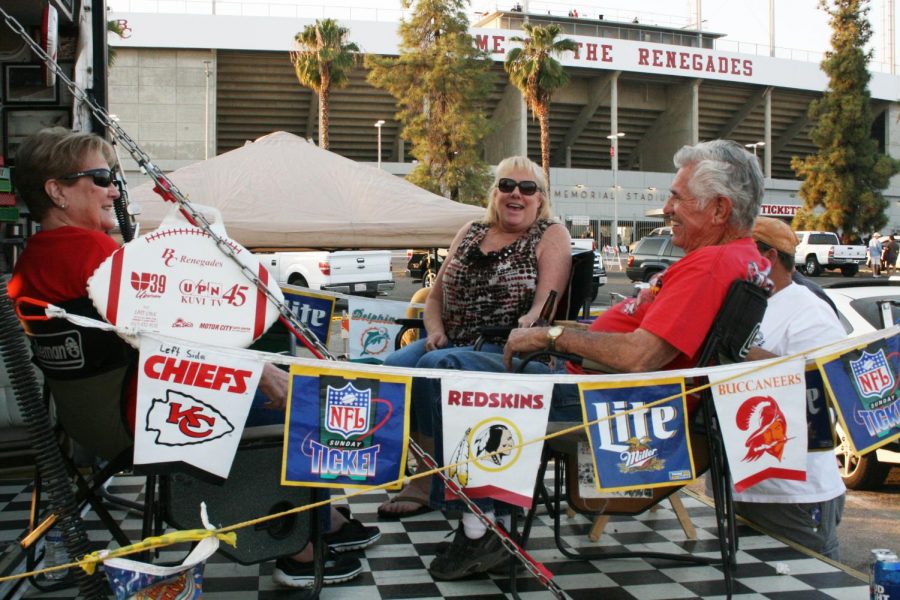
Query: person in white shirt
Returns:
{"type": "Point", "coordinates": [806, 512]}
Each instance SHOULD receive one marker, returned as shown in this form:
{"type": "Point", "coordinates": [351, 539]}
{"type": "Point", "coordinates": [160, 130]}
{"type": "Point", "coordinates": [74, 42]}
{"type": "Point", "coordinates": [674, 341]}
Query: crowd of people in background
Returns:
{"type": "Point", "coordinates": [883, 254]}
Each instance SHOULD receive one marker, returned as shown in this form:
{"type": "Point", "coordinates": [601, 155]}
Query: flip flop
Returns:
{"type": "Point", "coordinates": [422, 508]}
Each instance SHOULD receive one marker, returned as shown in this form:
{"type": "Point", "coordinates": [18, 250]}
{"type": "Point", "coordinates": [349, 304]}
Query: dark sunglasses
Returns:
{"type": "Point", "coordinates": [527, 188]}
{"type": "Point", "coordinates": [101, 177]}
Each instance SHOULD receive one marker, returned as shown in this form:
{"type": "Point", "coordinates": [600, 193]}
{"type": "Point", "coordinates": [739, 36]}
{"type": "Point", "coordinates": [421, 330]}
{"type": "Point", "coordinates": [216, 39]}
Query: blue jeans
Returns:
{"type": "Point", "coordinates": [415, 355]}
{"type": "Point", "coordinates": [564, 406]}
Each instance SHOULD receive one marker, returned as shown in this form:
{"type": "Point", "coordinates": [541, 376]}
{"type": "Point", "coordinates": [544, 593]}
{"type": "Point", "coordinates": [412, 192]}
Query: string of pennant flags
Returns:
{"type": "Point", "coordinates": [354, 422]}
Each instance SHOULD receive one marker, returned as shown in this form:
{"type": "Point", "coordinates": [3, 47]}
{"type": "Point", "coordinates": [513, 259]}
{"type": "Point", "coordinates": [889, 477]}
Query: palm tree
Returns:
{"type": "Point", "coordinates": [537, 74]}
{"type": "Point", "coordinates": [322, 60]}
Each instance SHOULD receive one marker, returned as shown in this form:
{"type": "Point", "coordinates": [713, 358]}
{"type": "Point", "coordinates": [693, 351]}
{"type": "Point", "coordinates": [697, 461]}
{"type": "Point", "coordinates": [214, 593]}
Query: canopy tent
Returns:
{"type": "Point", "coordinates": [284, 192]}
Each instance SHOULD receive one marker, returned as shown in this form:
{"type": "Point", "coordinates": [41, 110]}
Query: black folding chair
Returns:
{"type": "Point", "coordinates": [253, 488]}
{"type": "Point", "coordinates": [728, 341]}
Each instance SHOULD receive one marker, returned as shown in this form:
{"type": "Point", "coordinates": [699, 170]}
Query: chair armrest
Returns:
{"type": "Point", "coordinates": [587, 365]}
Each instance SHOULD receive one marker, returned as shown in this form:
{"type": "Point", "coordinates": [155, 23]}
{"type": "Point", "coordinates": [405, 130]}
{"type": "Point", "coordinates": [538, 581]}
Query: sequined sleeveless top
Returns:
{"type": "Point", "coordinates": [489, 289]}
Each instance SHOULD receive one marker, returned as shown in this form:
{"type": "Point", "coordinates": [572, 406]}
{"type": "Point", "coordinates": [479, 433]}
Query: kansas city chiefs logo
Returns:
{"type": "Point", "coordinates": [182, 420]}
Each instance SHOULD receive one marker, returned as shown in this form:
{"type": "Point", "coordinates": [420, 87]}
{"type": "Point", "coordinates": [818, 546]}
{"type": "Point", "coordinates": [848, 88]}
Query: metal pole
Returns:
{"type": "Point", "coordinates": [378, 125]}
{"type": "Point", "coordinates": [206, 115]}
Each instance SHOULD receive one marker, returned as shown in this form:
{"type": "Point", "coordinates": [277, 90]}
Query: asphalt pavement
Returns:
{"type": "Point", "coordinates": [871, 518]}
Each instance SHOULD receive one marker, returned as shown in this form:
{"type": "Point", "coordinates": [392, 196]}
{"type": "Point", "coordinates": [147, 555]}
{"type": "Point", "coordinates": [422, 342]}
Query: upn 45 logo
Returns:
{"type": "Point", "coordinates": [148, 285]}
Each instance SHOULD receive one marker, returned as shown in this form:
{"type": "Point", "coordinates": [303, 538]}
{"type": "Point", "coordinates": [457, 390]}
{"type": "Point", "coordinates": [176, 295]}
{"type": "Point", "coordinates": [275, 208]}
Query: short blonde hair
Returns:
{"type": "Point", "coordinates": [52, 153]}
{"type": "Point", "coordinates": [519, 163]}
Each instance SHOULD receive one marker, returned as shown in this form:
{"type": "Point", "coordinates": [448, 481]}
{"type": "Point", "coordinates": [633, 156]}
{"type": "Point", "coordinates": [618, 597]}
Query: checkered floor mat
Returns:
{"type": "Point", "coordinates": [396, 567]}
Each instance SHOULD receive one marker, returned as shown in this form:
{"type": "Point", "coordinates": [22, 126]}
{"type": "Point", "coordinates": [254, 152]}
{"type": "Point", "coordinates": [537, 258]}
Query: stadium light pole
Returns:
{"type": "Point", "coordinates": [378, 125]}
{"type": "Point", "coordinates": [614, 160]}
{"type": "Point", "coordinates": [755, 145]}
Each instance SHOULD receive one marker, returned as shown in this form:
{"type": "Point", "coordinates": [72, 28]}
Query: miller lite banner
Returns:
{"type": "Point", "coordinates": [863, 382]}
{"type": "Point", "coordinates": [646, 448]}
{"type": "Point", "coordinates": [485, 423]}
{"type": "Point", "coordinates": [192, 403]}
{"type": "Point", "coordinates": [177, 282]}
{"type": "Point", "coordinates": [763, 420]}
{"type": "Point", "coordinates": [312, 309]}
{"type": "Point", "coordinates": [819, 423]}
{"type": "Point", "coordinates": [373, 327]}
{"type": "Point", "coordinates": [345, 428]}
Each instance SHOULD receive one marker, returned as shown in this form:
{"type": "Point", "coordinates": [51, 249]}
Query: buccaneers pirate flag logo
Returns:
{"type": "Point", "coordinates": [757, 413]}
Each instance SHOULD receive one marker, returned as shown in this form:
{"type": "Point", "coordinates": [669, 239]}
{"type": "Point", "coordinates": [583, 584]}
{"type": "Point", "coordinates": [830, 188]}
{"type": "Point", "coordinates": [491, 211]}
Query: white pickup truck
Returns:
{"type": "Point", "coordinates": [362, 273]}
{"type": "Point", "coordinates": [819, 250]}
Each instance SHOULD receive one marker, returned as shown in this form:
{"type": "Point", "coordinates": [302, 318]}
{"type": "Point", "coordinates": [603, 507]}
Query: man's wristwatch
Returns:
{"type": "Point", "coordinates": [552, 335]}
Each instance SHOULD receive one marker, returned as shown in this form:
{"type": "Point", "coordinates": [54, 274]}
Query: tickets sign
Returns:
{"type": "Point", "coordinates": [345, 428]}
{"type": "Point", "coordinates": [177, 282]}
{"type": "Point", "coordinates": [634, 446]}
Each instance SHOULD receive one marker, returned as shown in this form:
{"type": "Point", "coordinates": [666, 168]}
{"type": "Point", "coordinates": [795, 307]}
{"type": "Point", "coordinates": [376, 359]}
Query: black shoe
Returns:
{"type": "Point", "coordinates": [352, 535]}
{"type": "Point", "coordinates": [501, 568]}
{"type": "Point", "coordinates": [466, 557]}
{"type": "Point", "coordinates": [293, 573]}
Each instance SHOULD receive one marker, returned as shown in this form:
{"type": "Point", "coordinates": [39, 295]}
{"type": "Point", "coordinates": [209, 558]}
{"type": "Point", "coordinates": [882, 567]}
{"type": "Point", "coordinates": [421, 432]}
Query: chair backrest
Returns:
{"type": "Point", "coordinates": [736, 324]}
{"type": "Point", "coordinates": [577, 297]}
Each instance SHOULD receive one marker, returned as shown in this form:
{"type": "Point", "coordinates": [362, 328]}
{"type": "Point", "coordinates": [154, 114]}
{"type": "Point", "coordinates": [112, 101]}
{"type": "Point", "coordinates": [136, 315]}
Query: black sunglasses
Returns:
{"type": "Point", "coordinates": [527, 188]}
{"type": "Point", "coordinates": [101, 177]}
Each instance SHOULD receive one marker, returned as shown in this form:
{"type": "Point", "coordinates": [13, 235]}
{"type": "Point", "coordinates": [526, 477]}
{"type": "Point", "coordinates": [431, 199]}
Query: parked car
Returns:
{"type": "Point", "coordinates": [424, 264]}
{"type": "Point", "coordinates": [819, 250]}
{"type": "Point", "coordinates": [651, 255]}
{"type": "Point", "coordinates": [865, 306]}
{"type": "Point", "coordinates": [600, 277]}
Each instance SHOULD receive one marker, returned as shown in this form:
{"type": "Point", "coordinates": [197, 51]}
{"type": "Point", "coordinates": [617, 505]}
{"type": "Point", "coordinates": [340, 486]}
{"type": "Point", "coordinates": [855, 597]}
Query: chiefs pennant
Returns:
{"type": "Point", "coordinates": [192, 404]}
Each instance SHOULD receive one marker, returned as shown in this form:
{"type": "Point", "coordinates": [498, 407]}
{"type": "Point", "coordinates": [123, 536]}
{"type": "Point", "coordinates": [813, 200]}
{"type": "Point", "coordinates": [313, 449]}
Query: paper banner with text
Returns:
{"type": "Point", "coordinates": [345, 428]}
{"type": "Point", "coordinates": [763, 420]}
{"type": "Point", "coordinates": [192, 403]}
{"type": "Point", "coordinates": [373, 327]}
{"type": "Point", "coordinates": [485, 420]}
{"type": "Point", "coordinates": [819, 421]}
{"type": "Point", "coordinates": [863, 383]}
{"type": "Point", "coordinates": [644, 449]}
{"type": "Point", "coordinates": [312, 309]}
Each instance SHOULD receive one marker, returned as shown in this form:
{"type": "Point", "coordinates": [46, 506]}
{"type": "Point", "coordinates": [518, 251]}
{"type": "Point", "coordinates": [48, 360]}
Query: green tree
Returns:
{"type": "Point", "coordinates": [439, 80]}
{"type": "Point", "coordinates": [842, 182]}
{"type": "Point", "coordinates": [322, 59]}
{"type": "Point", "coordinates": [537, 74]}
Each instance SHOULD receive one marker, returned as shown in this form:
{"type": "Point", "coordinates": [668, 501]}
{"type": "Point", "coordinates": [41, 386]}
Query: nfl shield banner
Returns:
{"type": "Point", "coordinates": [345, 428]}
{"type": "Point", "coordinates": [485, 423]}
{"type": "Point", "coordinates": [646, 448]}
{"type": "Point", "coordinates": [763, 419]}
{"type": "Point", "coordinates": [192, 403]}
{"type": "Point", "coordinates": [864, 384]}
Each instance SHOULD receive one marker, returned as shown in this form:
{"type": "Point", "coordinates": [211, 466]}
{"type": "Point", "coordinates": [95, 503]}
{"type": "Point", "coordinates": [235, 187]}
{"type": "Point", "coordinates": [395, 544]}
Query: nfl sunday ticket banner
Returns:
{"type": "Point", "coordinates": [345, 428]}
{"type": "Point", "coordinates": [865, 382]}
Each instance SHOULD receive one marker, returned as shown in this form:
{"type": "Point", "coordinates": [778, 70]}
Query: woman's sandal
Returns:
{"type": "Point", "coordinates": [422, 508]}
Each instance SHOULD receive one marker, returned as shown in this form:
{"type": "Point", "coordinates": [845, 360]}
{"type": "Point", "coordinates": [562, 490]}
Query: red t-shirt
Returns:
{"type": "Point", "coordinates": [683, 300]}
{"type": "Point", "coordinates": [55, 268]}
{"type": "Point", "coordinates": [57, 263]}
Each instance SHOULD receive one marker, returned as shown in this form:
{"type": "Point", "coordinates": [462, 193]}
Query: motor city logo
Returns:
{"type": "Point", "coordinates": [182, 420]}
{"type": "Point", "coordinates": [148, 285]}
